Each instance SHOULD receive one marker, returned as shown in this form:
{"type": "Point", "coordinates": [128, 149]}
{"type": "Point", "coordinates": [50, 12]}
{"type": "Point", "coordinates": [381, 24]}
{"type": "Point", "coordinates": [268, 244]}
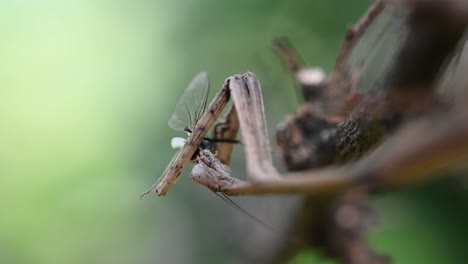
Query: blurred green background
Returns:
{"type": "Point", "coordinates": [86, 89]}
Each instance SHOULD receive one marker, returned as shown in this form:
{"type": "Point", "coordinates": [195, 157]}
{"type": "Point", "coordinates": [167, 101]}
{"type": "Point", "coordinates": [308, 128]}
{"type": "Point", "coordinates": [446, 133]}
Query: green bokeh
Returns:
{"type": "Point", "coordinates": [86, 88]}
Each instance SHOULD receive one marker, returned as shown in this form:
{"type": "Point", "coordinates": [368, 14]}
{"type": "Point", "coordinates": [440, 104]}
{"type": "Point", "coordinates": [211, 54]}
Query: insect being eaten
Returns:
{"type": "Point", "coordinates": [189, 109]}
{"type": "Point", "coordinates": [193, 116]}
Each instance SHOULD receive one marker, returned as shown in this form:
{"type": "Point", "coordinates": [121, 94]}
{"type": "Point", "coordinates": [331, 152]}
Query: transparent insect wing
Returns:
{"type": "Point", "coordinates": [453, 86]}
{"type": "Point", "coordinates": [376, 48]}
{"type": "Point", "coordinates": [192, 104]}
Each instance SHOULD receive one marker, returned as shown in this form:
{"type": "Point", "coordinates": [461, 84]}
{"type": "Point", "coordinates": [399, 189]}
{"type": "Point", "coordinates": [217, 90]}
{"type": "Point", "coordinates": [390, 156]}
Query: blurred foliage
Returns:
{"type": "Point", "coordinates": [86, 88]}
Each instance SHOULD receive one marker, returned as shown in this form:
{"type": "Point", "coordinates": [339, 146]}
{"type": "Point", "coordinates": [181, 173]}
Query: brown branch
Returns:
{"type": "Point", "coordinates": [350, 219]}
{"type": "Point", "coordinates": [375, 119]}
{"type": "Point", "coordinates": [398, 97]}
{"type": "Point", "coordinates": [420, 151]}
{"type": "Point", "coordinates": [405, 159]}
{"type": "Point", "coordinates": [410, 95]}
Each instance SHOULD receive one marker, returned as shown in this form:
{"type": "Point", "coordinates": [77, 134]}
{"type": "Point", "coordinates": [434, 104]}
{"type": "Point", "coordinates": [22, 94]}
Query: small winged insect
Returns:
{"type": "Point", "coordinates": [189, 109]}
